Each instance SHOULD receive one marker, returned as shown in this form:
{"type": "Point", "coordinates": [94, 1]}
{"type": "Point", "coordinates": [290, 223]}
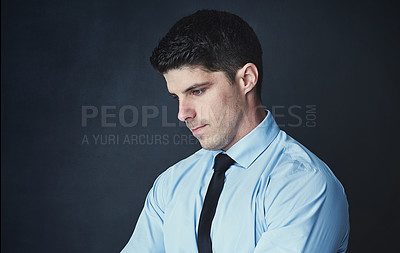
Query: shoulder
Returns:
{"type": "Point", "coordinates": [299, 183]}
{"type": "Point", "coordinates": [303, 194]}
{"type": "Point", "coordinates": [294, 158]}
{"type": "Point", "coordinates": [184, 165]}
{"type": "Point", "coordinates": [166, 183]}
{"type": "Point", "coordinates": [301, 173]}
{"type": "Point", "coordinates": [181, 168]}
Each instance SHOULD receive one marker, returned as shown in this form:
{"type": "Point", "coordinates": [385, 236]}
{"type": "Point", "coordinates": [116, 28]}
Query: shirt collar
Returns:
{"type": "Point", "coordinates": [247, 149]}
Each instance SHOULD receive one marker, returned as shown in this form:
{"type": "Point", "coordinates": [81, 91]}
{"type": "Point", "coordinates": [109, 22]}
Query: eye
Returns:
{"type": "Point", "coordinates": [175, 97]}
{"type": "Point", "coordinates": [197, 92]}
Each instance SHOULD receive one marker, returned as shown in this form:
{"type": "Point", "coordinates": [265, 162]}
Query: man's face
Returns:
{"type": "Point", "coordinates": [209, 104]}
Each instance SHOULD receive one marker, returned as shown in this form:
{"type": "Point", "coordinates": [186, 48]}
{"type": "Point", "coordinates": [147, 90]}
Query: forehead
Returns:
{"type": "Point", "coordinates": [180, 79]}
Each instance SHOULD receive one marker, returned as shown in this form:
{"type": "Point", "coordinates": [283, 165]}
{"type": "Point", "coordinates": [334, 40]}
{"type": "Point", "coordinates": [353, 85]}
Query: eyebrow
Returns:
{"type": "Point", "coordinates": [193, 87]}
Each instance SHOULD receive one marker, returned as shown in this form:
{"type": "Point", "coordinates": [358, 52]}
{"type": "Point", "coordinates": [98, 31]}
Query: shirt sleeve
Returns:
{"type": "Point", "coordinates": [148, 234]}
{"type": "Point", "coordinates": [305, 211]}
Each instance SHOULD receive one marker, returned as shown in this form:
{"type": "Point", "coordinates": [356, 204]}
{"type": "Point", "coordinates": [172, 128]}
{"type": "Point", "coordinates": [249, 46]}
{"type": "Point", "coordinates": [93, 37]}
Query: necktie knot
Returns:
{"type": "Point", "coordinates": [222, 162]}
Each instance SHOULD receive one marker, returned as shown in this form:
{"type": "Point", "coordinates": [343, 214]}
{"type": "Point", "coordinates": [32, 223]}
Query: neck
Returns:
{"type": "Point", "coordinates": [252, 117]}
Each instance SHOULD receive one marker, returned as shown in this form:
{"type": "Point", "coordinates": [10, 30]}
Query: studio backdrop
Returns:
{"type": "Point", "coordinates": [87, 124]}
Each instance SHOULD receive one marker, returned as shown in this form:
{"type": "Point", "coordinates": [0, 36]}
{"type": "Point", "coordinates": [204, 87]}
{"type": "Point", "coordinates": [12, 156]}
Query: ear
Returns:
{"type": "Point", "coordinates": [247, 77]}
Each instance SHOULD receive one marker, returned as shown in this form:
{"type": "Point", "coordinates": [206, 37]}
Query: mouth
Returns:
{"type": "Point", "coordinates": [198, 129]}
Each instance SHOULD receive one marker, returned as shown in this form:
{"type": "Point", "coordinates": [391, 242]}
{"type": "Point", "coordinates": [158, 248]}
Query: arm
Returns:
{"type": "Point", "coordinates": [148, 234]}
{"type": "Point", "coordinates": [305, 211]}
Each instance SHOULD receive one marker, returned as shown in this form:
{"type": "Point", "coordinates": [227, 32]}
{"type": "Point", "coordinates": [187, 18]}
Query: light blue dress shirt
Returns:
{"type": "Point", "coordinates": [277, 197]}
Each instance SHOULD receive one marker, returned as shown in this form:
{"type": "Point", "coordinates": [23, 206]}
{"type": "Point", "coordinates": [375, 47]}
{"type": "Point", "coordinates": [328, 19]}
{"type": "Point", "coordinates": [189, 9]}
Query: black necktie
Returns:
{"type": "Point", "coordinates": [222, 163]}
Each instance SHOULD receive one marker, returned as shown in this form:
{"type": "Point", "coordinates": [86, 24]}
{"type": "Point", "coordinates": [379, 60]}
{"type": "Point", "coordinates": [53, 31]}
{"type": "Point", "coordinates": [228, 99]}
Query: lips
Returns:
{"type": "Point", "coordinates": [198, 129]}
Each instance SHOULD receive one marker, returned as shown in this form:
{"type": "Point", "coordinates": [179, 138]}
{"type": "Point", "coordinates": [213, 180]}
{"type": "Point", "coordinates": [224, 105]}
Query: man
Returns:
{"type": "Point", "coordinates": [251, 188]}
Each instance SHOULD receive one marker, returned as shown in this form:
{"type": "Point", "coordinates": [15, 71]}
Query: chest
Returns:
{"type": "Point", "coordinates": [238, 221]}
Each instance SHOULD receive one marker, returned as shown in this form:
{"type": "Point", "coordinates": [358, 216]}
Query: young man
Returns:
{"type": "Point", "coordinates": [252, 188]}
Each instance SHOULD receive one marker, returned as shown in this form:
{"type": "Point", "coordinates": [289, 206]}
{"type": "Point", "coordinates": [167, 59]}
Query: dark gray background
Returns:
{"type": "Point", "coordinates": [59, 195]}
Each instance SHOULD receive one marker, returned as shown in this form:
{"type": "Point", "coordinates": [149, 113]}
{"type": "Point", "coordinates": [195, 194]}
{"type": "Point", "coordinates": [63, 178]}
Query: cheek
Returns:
{"type": "Point", "coordinates": [231, 102]}
{"type": "Point", "coordinates": [214, 104]}
{"type": "Point", "coordinates": [220, 104]}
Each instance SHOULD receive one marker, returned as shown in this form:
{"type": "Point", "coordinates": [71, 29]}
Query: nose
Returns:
{"type": "Point", "coordinates": [186, 110]}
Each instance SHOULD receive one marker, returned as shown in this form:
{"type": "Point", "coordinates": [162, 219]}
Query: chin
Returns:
{"type": "Point", "coordinates": [210, 148]}
{"type": "Point", "coordinates": [212, 145]}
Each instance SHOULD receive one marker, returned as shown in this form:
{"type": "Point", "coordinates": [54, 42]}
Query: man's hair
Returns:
{"type": "Point", "coordinates": [210, 39]}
